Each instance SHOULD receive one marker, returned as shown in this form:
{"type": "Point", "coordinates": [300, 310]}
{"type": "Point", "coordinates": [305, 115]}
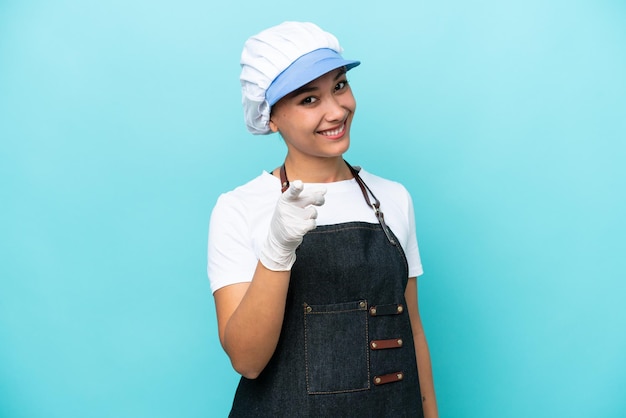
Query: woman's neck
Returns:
{"type": "Point", "coordinates": [320, 170]}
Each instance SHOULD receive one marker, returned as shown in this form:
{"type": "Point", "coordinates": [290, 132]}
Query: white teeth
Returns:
{"type": "Point", "coordinates": [334, 131]}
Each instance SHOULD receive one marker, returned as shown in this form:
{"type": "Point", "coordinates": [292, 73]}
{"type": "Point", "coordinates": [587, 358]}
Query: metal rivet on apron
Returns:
{"type": "Point", "coordinates": [400, 308]}
{"type": "Point", "coordinates": [377, 380]}
{"type": "Point", "coordinates": [308, 309]}
{"type": "Point", "coordinates": [400, 376]}
{"type": "Point", "coordinates": [362, 304]}
{"type": "Point", "coordinates": [374, 345]}
{"type": "Point", "coordinates": [373, 311]}
{"type": "Point", "coordinates": [399, 341]}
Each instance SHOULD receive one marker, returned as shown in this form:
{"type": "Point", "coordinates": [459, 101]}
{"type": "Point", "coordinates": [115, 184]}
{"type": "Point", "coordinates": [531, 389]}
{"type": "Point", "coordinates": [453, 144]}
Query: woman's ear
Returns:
{"type": "Point", "coordinates": [273, 126]}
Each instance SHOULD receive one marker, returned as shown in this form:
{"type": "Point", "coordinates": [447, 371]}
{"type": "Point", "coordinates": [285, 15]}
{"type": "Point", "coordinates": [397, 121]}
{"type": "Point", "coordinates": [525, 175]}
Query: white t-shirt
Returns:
{"type": "Point", "coordinates": [240, 222]}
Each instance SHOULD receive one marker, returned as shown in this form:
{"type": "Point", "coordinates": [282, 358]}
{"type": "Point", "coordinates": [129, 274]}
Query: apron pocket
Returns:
{"type": "Point", "coordinates": [336, 347]}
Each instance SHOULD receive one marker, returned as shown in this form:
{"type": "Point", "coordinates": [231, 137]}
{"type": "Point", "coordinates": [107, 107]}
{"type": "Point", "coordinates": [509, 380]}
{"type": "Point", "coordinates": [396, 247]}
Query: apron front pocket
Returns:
{"type": "Point", "coordinates": [336, 347]}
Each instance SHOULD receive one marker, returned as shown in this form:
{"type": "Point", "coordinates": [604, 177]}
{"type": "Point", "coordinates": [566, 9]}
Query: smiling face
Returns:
{"type": "Point", "coordinates": [315, 119]}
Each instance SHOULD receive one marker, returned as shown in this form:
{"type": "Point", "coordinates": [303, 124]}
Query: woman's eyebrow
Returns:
{"type": "Point", "coordinates": [303, 89]}
{"type": "Point", "coordinates": [340, 73]}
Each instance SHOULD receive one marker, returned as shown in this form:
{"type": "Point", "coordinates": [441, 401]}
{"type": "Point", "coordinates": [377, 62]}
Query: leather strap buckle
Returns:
{"type": "Point", "coordinates": [388, 378]}
{"type": "Point", "coordinates": [393, 309]}
{"type": "Point", "coordinates": [386, 344]}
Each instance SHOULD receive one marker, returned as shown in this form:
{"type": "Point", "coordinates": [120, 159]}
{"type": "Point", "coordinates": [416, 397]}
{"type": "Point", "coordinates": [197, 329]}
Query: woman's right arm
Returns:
{"type": "Point", "coordinates": [250, 314]}
{"type": "Point", "coordinates": [250, 317]}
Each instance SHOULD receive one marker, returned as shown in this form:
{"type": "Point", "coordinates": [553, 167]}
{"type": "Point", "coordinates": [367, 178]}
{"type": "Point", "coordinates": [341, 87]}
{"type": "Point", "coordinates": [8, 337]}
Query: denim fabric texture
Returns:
{"type": "Point", "coordinates": [332, 334]}
{"type": "Point", "coordinates": [323, 365]}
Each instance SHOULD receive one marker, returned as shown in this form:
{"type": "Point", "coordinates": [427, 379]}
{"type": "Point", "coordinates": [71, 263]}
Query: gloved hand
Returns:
{"type": "Point", "coordinates": [294, 216]}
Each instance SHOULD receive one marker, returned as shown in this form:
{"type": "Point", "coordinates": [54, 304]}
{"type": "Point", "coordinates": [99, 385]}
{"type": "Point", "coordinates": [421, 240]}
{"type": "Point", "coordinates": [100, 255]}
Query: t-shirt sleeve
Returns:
{"type": "Point", "coordinates": [231, 254]}
{"type": "Point", "coordinates": [412, 250]}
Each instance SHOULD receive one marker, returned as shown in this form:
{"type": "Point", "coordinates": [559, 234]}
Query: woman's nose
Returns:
{"type": "Point", "coordinates": [335, 111]}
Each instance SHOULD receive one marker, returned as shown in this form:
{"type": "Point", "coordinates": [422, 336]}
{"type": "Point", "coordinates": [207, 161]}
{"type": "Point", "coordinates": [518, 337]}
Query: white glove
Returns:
{"type": "Point", "coordinates": [294, 216]}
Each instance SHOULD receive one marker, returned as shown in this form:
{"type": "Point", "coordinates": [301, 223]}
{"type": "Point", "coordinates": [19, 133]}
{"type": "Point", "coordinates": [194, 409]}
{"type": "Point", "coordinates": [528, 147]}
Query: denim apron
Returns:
{"type": "Point", "coordinates": [346, 346]}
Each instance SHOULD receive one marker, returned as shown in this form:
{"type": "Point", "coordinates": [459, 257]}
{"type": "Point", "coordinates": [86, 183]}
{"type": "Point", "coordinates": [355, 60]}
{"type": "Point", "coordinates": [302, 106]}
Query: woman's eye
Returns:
{"type": "Point", "coordinates": [341, 85]}
{"type": "Point", "coordinates": [309, 100]}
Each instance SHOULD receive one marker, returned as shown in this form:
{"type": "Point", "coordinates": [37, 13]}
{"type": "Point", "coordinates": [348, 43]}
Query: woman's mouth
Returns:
{"type": "Point", "coordinates": [334, 133]}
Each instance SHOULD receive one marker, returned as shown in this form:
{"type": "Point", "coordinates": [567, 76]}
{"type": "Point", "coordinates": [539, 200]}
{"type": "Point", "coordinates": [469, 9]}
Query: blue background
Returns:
{"type": "Point", "coordinates": [121, 123]}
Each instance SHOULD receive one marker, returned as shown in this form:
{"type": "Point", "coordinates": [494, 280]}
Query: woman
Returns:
{"type": "Point", "coordinates": [316, 291]}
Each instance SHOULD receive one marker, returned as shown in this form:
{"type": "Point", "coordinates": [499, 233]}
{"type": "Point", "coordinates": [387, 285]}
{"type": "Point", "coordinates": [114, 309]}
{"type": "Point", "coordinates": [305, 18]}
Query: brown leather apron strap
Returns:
{"type": "Point", "coordinates": [284, 183]}
{"type": "Point", "coordinates": [386, 344]}
{"type": "Point", "coordinates": [388, 378]}
{"type": "Point", "coordinates": [376, 205]}
{"type": "Point", "coordinates": [380, 310]}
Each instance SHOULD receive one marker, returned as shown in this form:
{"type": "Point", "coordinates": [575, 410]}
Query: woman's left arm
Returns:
{"type": "Point", "coordinates": [424, 367]}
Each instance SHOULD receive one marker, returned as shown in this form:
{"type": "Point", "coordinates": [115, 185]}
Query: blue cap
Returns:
{"type": "Point", "coordinates": [304, 70]}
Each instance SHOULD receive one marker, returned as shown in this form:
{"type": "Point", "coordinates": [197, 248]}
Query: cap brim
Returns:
{"type": "Point", "coordinates": [304, 70]}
